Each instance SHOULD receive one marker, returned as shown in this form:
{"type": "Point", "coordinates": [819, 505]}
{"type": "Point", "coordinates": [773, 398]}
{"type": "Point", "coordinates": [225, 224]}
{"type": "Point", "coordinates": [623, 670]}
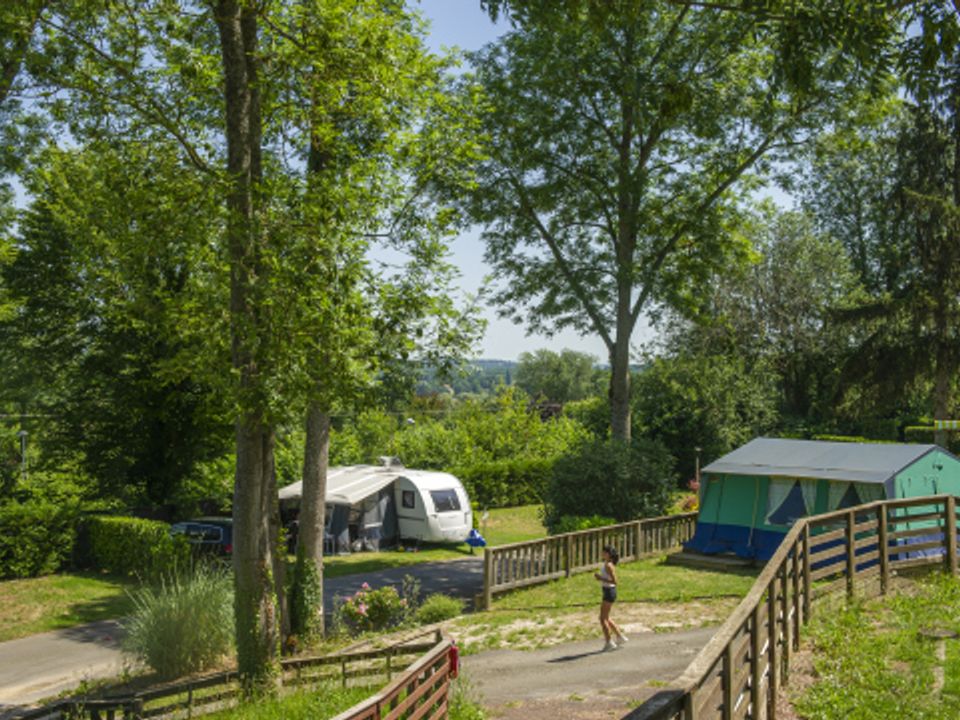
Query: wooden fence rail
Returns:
{"type": "Point", "coordinates": [738, 673]}
{"type": "Point", "coordinates": [509, 567]}
{"type": "Point", "coordinates": [413, 664]}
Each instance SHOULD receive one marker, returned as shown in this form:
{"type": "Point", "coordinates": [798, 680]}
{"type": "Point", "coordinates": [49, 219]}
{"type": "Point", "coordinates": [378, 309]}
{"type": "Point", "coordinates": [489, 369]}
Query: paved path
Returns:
{"type": "Point", "coordinates": [39, 666]}
{"type": "Point", "coordinates": [578, 680]}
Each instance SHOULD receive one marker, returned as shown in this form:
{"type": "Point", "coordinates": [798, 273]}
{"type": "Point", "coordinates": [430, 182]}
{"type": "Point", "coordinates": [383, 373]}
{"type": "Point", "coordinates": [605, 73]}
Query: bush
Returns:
{"type": "Point", "coordinates": [575, 523]}
{"type": "Point", "coordinates": [612, 479]}
{"type": "Point", "coordinates": [437, 608]}
{"type": "Point", "coordinates": [185, 624]}
{"type": "Point", "coordinates": [126, 545]}
{"type": "Point", "coordinates": [506, 483]}
{"type": "Point", "coordinates": [373, 610]}
{"type": "Point", "coordinates": [36, 537]}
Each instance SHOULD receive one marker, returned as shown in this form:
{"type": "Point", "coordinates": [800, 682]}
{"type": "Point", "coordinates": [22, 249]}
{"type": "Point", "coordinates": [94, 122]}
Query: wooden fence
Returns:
{"type": "Point", "coordinates": [737, 674]}
{"type": "Point", "coordinates": [508, 567]}
{"type": "Point", "coordinates": [221, 691]}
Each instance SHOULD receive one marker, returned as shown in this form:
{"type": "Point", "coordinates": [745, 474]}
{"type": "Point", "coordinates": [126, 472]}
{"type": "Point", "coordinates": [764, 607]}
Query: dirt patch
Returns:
{"type": "Point", "coordinates": [538, 629]}
{"type": "Point", "coordinates": [802, 676]}
{"type": "Point", "coordinates": [592, 706]}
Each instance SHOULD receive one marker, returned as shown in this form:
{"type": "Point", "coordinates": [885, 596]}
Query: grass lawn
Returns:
{"type": "Point", "coordinates": [651, 595]}
{"type": "Point", "coordinates": [506, 525]}
{"type": "Point", "coordinates": [871, 660]}
{"type": "Point", "coordinates": [36, 605]}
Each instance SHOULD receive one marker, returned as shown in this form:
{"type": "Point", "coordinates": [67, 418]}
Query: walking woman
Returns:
{"type": "Point", "coordinates": [608, 583]}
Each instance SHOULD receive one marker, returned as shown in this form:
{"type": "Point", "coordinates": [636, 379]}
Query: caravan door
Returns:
{"type": "Point", "coordinates": [411, 513]}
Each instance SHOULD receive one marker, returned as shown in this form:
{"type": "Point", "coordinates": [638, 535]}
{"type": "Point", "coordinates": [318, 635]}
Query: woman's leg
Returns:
{"type": "Point", "coordinates": [604, 619]}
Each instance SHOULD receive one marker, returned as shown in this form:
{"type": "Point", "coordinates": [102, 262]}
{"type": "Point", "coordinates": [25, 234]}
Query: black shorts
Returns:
{"type": "Point", "coordinates": [609, 594]}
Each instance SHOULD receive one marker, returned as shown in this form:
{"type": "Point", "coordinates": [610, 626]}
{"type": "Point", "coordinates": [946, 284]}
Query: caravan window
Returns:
{"type": "Point", "coordinates": [445, 500]}
{"type": "Point", "coordinates": [408, 499]}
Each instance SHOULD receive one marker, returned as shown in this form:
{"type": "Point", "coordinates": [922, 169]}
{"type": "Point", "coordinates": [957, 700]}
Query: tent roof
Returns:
{"type": "Point", "coordinates": [350, 484]}
{"type": "Point", "coordinates": [855, 462]}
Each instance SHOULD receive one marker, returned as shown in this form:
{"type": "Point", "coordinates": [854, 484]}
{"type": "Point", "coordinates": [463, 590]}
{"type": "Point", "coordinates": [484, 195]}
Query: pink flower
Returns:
{"type": "Point", "coordinates": [365, 586]}
{"type": "Point", "coordinates": [362, 609]}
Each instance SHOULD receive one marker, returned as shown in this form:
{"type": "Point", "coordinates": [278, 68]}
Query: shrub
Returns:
{"type": "Point", "coordinates": [185, 624]}
{"type": "Point", "coordinates": [36, 537]}
{"type": "Point", "coordinates": [506, 483]}
{"type": "Point", "coordinates": [575, 523]}
{"type": "Point", "coordinates": [437, 608]}
{"type": "Point", "coordinates": [373, 610]}
{"type": "Point", "coordinates": [612, 479]}
{"type": "Point", "coordinates": [126, 545]}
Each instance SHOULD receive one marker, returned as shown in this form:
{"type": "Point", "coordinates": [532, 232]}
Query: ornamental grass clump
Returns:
{"type": "Point", "coordinates": [185, 624]}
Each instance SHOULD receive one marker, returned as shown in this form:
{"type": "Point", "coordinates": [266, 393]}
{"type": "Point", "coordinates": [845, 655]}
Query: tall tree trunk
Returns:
{"type": "Point", "coordinates": [257, 613]}
{"type": "Point", "coordinates": [620, 386]}
{"type": "Point", "coordinates": [307, 591]}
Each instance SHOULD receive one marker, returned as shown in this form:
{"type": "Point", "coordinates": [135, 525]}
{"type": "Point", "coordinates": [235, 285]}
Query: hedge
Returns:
{"type": "Point", "coordinates": [506, 483]}
{"type": "Point", "coordinates": [131, 546]}
{"type": "Point", "coordinates": [36, 537]}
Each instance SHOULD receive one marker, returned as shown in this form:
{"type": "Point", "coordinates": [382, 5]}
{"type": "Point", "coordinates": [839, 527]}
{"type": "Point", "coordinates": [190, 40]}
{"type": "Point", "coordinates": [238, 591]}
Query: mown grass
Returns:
{"type": "Point", "coordinates": [54, 602]}
{"type": "Point", "coordinates": [873, 660]}
{"type": "Point", "coordinates": [650, 580]}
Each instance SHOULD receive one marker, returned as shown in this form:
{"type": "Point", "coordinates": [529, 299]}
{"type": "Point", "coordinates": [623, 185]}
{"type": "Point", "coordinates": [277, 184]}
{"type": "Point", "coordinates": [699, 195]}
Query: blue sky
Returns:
{"type": "Point", "coordinates": [462, 24]}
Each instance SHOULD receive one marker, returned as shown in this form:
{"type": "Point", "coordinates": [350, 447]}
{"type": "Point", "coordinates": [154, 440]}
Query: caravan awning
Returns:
{"type": "Point", "coordinates": [348, 485]}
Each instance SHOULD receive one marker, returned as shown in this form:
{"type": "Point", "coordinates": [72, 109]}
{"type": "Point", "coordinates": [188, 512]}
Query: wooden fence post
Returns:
{"type": "Point", "coordinates": [851, 552]}
{"type": "Point", "coordinates": [487, 578]}
{"type": "Point", "coordinates": [807, 584]}
{"type": "Point", "coordinates": [727, 682]}
{"type": "Point", "coordinates": [568, 561]}
{"type": "Point", "coordinates": [884, 548]}
{"type": "Point", "coordinates": [773, 680]}
{"type": "Point", "coordinates": [756, 668]}
{"type": "Point", "coordinates": [637, 539]}
{"type": "Point", "coordinates": [950, 531]}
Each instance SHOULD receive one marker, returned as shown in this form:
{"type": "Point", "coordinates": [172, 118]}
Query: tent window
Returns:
{"type": "Point", "coordinates": [408, 499]}
{"type": "Point", "coordinates": [445, 500]}
{"type": "Point", "coordinates": [848, 494]}
{"type": "Point", "coordinates": [788, 500]}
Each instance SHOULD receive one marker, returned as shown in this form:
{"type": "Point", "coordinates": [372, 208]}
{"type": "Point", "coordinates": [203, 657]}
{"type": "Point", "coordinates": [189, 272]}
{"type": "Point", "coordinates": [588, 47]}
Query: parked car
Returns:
{"type": "Point", "coordinates": [207, 534]}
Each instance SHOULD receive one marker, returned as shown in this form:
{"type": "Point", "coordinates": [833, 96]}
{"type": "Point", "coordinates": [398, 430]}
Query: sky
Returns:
{"type": "Point", "coordinates": [462, 24]}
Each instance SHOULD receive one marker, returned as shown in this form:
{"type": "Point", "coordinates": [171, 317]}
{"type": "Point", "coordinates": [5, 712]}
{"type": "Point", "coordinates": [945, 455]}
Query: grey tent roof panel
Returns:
{"type": "Point", "coordinates": [855, 462]}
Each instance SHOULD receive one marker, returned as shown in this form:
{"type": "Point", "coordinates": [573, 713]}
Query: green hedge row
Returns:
{"type": "Point", "coordinates": [131, 546]}
{"type": "Point", "coordinates": [36, 537]}
{"type": "Point", "coordinates": [506, 483]}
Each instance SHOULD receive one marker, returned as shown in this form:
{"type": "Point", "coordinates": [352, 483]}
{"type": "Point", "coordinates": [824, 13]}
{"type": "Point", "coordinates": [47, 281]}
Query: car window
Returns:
{"type": "Point", "coordinates": [445, 500]}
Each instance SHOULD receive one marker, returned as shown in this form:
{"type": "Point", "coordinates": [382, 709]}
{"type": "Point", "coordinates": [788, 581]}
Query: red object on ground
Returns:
{"type": "Point", "coordinates": [454, 656]}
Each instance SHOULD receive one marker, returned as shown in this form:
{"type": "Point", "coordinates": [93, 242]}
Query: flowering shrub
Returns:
{"type": "Point", "coordinates": [371, 610]}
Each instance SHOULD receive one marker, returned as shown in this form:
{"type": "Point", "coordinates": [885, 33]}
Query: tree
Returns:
{"type": "Point", "coordinates": [619, 140]}
{"type": "Point", "coordinates": [558, 377]}
{"type": "Point", "coordinates": [109, 255]}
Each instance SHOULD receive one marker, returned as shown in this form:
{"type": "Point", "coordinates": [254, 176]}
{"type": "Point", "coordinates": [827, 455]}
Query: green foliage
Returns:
{"type": "Point", "coordinates": [185, 624]}
{"type": "Point", "coordinates": [612, 479]}
{"type": "Point", "coordinates": [573, 523]}
{"type": "Point", "coordinates": [370, 610]}
{"type": "Point", "coordinates": [505, 483]}
{"type": "Point", "coordinates": [499, 446]}
{"type": "Point", "coordinates": [711, 402]}
{"type": "Point", "coordinates": [871, 659]}
{"type": "Point", "coordinates": [305, 599]}
{"type": "Point", "coordinates": [325, 700]}
{"type": "Point", "coordinates": [36, 537]}
{"type": "Point", "coordinates": [556, 377]}
{"type": "Point", "coordinates": [132, 546]}
{"type": "Point", "coordinates": [593, 413]}
{"type": "Point", "coordinates": [437, 608]}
